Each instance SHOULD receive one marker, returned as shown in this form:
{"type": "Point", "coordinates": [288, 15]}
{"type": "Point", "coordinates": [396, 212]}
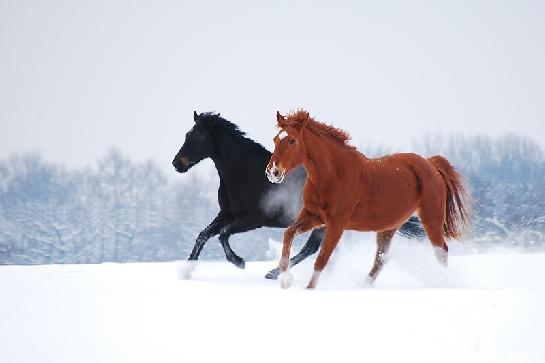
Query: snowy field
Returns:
{"type": "Point", "coordinates": [486, 308]}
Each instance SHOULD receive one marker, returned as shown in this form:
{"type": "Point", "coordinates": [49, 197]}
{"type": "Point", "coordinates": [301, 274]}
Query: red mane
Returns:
{"type": "Point", "coordinates": [300, 117]}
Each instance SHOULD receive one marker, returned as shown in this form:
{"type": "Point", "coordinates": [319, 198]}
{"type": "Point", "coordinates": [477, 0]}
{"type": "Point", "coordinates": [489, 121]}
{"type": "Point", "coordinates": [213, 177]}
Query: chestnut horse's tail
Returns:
{"type": "Point", "coordinates": [457, 214]}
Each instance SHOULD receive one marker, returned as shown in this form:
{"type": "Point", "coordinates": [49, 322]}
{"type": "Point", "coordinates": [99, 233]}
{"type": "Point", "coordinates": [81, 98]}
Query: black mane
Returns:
{"type": "Point", "coordinates": [215, 121]}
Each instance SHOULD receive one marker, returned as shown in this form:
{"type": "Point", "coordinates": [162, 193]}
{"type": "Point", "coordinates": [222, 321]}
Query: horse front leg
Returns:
{"type": "Point", "coordinates": [213, 229]}
{"type": "Point", "coordinates": [304, 222]}
{"type": "Point", "coordinates": [332, 236]}
{"type": "Point", "coordinates": [185, 271]}
{"type": "Point", "coordinates": [243, 224]}
{"type": "Point", "coordinates": [311, 247]}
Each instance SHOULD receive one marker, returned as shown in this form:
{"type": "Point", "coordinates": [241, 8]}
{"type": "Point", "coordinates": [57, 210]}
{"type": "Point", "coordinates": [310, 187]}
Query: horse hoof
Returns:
{"type": "Point", "coordinates": [286, 280]}
{"type": "Point", "coordinates": [239, 262]}
{"type": "Point", "coordinates": [272, 274]}
{"type": "Point", "coordinates": [368, 282]}
{"type": "Point", "coordinates": [185, 269]}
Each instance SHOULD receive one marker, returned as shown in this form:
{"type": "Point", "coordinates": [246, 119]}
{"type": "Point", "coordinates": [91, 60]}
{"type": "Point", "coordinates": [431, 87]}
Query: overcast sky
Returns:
{"type": "Point", "coordinates": [77, 77]}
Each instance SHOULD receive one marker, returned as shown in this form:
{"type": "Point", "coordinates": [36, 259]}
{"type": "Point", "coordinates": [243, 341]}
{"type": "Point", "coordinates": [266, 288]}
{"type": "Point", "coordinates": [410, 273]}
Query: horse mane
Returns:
{"type": "Point", "coordinates": [300, 117]}
{"type": "Point", "coordinates": [214, 121]}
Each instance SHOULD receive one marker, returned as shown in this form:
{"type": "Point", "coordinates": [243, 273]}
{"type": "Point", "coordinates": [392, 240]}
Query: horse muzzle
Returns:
{"type": "Point", "coordinates": [274, 173]}
{"type": "Point", "coordinates": [182, 164]}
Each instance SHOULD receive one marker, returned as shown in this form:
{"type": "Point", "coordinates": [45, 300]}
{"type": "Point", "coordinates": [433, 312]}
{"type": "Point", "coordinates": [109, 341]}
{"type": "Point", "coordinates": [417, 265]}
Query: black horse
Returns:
{"type": "Point", "coordinates": [246, 198]}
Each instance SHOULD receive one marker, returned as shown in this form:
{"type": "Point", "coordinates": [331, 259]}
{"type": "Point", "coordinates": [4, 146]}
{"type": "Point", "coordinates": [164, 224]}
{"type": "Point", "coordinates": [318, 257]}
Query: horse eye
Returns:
{"type": "Point", "coordinates": [292, 141]}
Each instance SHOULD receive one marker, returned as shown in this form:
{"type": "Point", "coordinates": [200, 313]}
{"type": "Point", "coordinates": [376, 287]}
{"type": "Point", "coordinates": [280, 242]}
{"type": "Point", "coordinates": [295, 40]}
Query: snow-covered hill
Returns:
{"type": "Point", "coordinates": [487, 308]}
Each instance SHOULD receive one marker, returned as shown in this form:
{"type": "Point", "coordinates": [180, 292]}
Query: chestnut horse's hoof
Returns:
{"type": "Point", "coordinates": [273, 274]}
{"type": "Point", "coordinates": [286, 280]}
{"type": "Point", "coordinates": [368, 282]}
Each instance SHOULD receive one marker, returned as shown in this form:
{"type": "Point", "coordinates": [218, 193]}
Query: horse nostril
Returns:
{"type": "Point", "coordinates": [276, 173]}
{"type": "Point", "coordinates": [182, 161]}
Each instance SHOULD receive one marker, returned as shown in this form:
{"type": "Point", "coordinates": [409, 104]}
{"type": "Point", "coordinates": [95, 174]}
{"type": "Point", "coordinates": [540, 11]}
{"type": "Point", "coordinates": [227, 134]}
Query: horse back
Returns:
{"type": "Point", "coordinates": [391, 190]}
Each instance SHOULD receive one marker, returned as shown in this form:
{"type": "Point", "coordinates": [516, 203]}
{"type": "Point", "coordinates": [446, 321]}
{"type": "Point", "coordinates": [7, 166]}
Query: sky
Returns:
{"type": "Point", "coordinates": [79, 77]}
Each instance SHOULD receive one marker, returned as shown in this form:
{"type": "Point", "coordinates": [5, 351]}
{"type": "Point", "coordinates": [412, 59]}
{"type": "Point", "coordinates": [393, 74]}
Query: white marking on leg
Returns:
{"type": "Point", "coordinates": [286, 279]}
{"type": "Point", "coordinates": [314, 280]}
{"type": "Point", "coordinates": [441, 255]}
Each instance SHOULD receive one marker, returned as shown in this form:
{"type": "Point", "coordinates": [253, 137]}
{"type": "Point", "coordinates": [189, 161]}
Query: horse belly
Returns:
{"type": "Point", "coordinates": [377, 223]}
{"type": "Point", "coordinates": [387, 203]}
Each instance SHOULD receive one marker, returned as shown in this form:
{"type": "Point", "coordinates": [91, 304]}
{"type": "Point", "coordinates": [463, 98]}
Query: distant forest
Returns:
{"type": "Point", "coordinates": [119, 210]}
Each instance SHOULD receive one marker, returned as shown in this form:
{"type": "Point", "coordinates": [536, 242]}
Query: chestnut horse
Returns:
{"type": "Point", "coordinates": [346, 190]}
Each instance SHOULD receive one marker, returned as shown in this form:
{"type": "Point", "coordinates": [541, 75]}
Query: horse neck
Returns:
{"type": "Point", "coordinates": [230, 158]}
{"type": "Point", "coordinates": [322, 158]}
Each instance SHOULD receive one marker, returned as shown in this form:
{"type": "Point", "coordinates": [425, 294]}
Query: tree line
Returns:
{"type": "Point", "coordinates": [121, 210]}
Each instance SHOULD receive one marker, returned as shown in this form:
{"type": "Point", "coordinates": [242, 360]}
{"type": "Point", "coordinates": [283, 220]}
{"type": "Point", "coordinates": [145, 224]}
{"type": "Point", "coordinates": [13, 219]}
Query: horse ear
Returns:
{"type": "Point", "coordinates": [195, 116]}
{"type": "Point", "coordinates": [280, 120]}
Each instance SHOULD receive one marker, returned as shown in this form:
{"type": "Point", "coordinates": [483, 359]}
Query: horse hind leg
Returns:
{"type": "Point", "coordinates": [433, 224]}
{"type": "Point", "coordinates": [437, 238]}
{"type": "Point", "coordinates": [383, 245]}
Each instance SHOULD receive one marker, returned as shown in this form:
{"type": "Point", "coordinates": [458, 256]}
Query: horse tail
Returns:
{"type": "Point", "coordinates": [457, 206]}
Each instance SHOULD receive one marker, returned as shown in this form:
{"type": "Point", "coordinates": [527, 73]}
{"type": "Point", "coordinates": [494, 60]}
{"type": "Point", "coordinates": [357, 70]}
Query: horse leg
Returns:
{"type": "Point", "coordinates": [331, 239]}
{"type": "Point", "coordinates": [311, 247]}
{"type": "Point", "coordinates": [412, 229]}
{"type": "Point", "coordinates": [185, 271]}
{"type": "Point", "coordinates": [383, 245]}
{"type": "Point", "coordinates": [433, 224]}
{"type": "Point", "coordinates": [304, 222]}
{"type": "Point", "coordinates": [213, 229]}
{"type": "Point", "coordinates": [246, 223]}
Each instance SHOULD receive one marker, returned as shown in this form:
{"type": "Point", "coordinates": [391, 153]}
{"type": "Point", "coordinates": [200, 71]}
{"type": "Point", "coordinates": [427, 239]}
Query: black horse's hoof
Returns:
{"type": "Point", "coordinates": [238, 262]}
{"type": "Point", "coordinates": [273, 274]}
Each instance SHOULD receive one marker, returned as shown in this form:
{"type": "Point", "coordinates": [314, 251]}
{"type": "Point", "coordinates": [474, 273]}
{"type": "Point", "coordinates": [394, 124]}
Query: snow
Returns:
{"type": "Point", "coordinates": [484, 308]}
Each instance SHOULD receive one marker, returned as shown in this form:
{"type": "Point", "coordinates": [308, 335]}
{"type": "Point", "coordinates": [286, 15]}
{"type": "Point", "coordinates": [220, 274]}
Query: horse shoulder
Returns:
{"type": "Point", "coordinates": [223, 196]}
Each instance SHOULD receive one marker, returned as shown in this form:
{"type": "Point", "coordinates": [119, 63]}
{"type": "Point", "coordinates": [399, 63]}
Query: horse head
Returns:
{"type": "Point", "coordinates": [289, 150]}
{"type": "Point", "coordinates": [198, 144]}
